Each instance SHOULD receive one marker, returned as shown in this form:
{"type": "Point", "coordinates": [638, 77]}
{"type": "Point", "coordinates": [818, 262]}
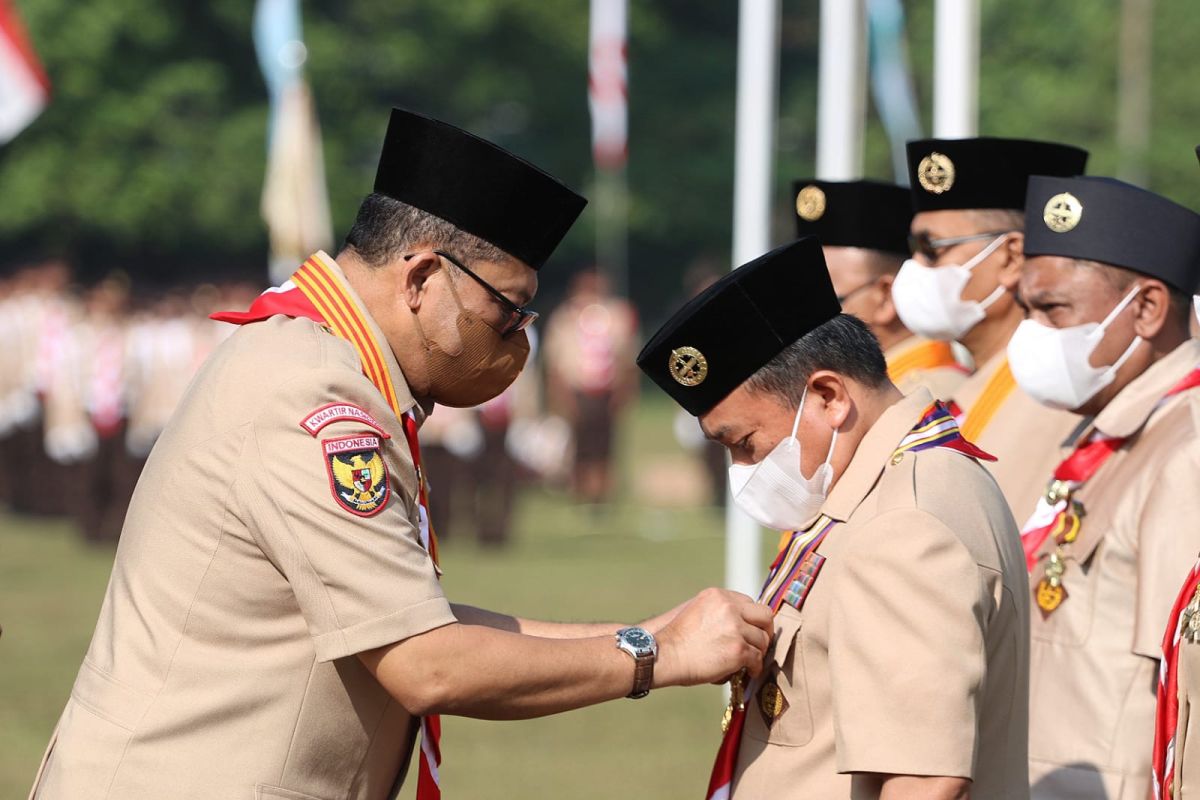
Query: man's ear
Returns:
{"type": "Point", "coordinates": [831, 388]}
{"type": "Point", "coordinates": [1010, 273]}
{"type": "Point", "coordinates": [1152, 308]}
{"type": "Point", "coordinates": [885, 310]}
{"type": "Point", "coordinates": [413, 275]}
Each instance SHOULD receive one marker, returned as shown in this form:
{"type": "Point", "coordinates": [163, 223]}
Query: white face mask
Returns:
{"type": "Point", "coordinates": [929, 299]}
{"type": "Point", "coordinates": [1053, 365]}
{"type": "Point", "coordinates": [774, 492]}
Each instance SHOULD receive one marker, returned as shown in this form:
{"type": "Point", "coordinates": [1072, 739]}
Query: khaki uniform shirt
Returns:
{"type": "Point", "coordinates": [1187, 736]}
{"type": "Point", "coordinates": [223, 664]}
{"type": "Point", "coordinates": [941, 381]}
{"type": "Point", "coordinates": [1094, 661]}
{"type": "Point", "coordinates": [1025, 436]}
{"type": "Point", "coordinates": [911, 653]}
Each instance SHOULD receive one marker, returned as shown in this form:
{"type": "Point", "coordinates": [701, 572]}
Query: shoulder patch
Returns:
{"type": "Point", "coordinates": [358, 477]}
{"type": "Point", "coordinates": [339, 412]}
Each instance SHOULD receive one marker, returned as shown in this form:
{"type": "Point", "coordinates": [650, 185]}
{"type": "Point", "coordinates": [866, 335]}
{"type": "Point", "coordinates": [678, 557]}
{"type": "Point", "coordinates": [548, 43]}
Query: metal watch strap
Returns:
{"type": "Point", "coordinates": [643, 676]}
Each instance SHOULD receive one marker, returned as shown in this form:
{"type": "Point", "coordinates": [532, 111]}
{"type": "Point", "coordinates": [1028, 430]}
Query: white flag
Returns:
{"type": "Point", "coordinates": [606, 82]}
{"type": "Point", "coordinates": [24, 88]}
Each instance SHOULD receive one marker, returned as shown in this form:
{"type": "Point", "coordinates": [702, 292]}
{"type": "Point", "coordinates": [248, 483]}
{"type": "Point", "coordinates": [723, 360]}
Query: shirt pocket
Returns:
{"type": "Point", "coordinates": [777, 710]}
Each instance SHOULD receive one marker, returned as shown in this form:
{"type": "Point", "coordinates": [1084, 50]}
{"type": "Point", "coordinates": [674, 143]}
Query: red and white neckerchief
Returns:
{"type": "Point", "coordinates": [106, 390]}
{"type": "Point", "coordinates": [1184, 614]}
{"type": "Point", "coordinates": [316, 292]}
{"type": "Point", "coordinates": [1059, 516]}
{"type": "Point", "coordinates": [796, 568]}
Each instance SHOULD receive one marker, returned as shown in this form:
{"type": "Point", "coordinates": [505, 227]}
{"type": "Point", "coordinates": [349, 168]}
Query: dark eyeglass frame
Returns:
{"type": "Point", "coordinates": [921, 244]}
{"type": "Point", "coordinates": [518, 317]}
{"type": "Point", "coordinates": [842, 298]}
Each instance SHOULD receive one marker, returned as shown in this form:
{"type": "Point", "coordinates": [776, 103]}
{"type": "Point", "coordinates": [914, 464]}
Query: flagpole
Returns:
{"type": "Point", "coordinates": [841, 90]}
{"type": "Point", "coordinates": [956, 69]}
{"type": "Point", "coordinates": [754, 149]}
{"type": "Point", "coordinates": [607, 31]}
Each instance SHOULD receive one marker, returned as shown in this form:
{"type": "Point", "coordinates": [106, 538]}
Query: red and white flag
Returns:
{"type": "Point", "coordinates": [606, 82]}
{"type": "Point", "coordinates": [24, 87]}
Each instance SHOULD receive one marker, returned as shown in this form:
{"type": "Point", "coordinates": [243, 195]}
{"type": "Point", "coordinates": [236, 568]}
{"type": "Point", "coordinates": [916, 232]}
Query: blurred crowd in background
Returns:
{"type": "Point", "coordinates": [90, 375]}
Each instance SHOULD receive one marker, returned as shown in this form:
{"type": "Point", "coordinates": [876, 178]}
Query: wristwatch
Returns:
{"type": "Point", "coordinates": [640, 645]}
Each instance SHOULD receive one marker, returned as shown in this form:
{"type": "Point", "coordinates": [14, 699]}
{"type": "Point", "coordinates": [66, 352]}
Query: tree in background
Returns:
{"type": "Point", "coordinates": [152, 152]}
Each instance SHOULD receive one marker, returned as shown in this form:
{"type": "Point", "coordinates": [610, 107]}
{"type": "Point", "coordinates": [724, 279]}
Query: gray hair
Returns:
{"type": "Point", "coordinates": [386, 230]}
{"type": "Point", "coordinates": [844, 345]}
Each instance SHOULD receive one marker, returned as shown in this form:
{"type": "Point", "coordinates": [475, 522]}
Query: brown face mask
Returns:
{"type": "Point", "coordinates": [487, 364]}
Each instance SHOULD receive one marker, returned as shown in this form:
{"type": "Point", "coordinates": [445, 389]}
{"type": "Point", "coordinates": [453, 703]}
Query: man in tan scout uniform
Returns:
{"type": "Point", "coordinates": [1107, 280]}
{"type": "Point", "coordinates": [960, 285]}
{"type": "Point", "coordinates": [900, 662]}
{"type": "Point", "coordinates": [863, 228]}
{"type": "Point", "coordinates": [274, 626]}
{"type": "Point", "coordinates": [1176, 744]}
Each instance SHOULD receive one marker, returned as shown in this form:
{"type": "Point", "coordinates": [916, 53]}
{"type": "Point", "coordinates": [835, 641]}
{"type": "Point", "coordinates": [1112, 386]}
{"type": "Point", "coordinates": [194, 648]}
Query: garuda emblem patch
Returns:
{"type": "Point", "coordinates": [357, 474]}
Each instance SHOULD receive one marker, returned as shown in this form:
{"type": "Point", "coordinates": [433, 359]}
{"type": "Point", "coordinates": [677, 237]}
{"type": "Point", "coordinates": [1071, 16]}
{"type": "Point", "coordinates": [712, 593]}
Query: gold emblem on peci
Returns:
{"type": "Point", "coordinates": [688, 366]}
{"type": "Point", "coordinates": [935, 173]}
{"type": "Point", "coordinates": [1062, 212]}
{"type": "Point", "coordinates": [810, 203]}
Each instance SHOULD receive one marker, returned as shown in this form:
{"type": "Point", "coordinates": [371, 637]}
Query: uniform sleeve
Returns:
{"type": "Point", "coordinates": [352, 556]}
{"type": "Point", "coordinates": [1168, 539]}
{"type": "Point", "coordinates": [906, 649]}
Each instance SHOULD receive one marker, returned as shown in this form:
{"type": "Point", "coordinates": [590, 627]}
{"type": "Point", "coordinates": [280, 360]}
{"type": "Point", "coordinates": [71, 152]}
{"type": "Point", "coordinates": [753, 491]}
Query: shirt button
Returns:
{"type": "Point", "coordinates": [897, 458]}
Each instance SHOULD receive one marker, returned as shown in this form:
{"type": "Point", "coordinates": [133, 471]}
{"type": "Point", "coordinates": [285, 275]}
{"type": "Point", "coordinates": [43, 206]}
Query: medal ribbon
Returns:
{"type": "Point", "coordinates": [795, 570]}
{"type": "Point", "coordinates": [925, 355]}
{"type": "Point", "coordinates": [1166, 713]}
{"type": "Point", "coordinates": [316, 292]}
{"type": "Point", "coordinates": [1057, 515]}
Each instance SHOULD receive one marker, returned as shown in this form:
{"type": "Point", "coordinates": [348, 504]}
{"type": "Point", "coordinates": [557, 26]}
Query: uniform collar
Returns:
{"type": "Point", "coordinates": [874, 454]}
{"type": "Point", "coordinates": [901, 347]}
{"type": "Point", "coordinates": [404, 398]}
{"type": "Point", "coordinates": [1126, 413]}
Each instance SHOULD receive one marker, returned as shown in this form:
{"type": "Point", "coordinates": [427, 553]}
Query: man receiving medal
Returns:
{"type": "Point", "coordinates": [899, 664]}
{"type": "Point", "coordinates": [1107, 283]}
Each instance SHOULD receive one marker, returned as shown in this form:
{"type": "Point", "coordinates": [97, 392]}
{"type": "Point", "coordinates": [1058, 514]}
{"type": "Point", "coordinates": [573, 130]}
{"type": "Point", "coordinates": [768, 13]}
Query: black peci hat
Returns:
{"type": "Point", "coordinates": [1113, 222]}
{"type": "Point", "coordinates": [733, 328]}
{"type": "Point", "coordinates": [866, 214]}
{"type": "Point", "coordinates": [984, 172]}
{"type": "Point", "coordinates": [475, 185]}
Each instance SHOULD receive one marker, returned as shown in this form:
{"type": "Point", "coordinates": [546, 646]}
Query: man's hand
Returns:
{"type": "Point", "coordinates": [659, 621]}
{"type": "Point", "coordinates": [912, 787]}
{"type": "Point", "coordinates": [713, 636]}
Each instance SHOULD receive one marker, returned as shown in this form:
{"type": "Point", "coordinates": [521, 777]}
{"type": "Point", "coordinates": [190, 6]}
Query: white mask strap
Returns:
{"type": "Point", "coordinates": [799, 411]}
{"type": "Point", "coordinates": [1124, 356]}
{"type": "Point", "coordinates": [832, 442]}
{"type": "Point", "coordinates": [985, 252]}
{"type": "Point", "coordinates": [996, 294]}
{"type": "Point", "coordinates": [1120, 307]}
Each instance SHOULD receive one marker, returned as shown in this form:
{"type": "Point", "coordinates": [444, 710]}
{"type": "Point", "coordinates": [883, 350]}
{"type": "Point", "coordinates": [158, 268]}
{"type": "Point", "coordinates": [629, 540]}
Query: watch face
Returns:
{"type": "Point", "coordinates": [638, 639]}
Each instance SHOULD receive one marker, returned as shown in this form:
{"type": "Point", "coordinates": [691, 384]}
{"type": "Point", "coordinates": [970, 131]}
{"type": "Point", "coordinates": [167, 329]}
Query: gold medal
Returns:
{"type": "Point", "coordinates": [771, 702]}
{"type": "Point", "coordinates": [1050, 592]}
{"type": "Point", "coordinates": [1189, 620]}
{"type": "Point", "coordinates": [737, 700]}
{"type": "Point", "coordinates": [1049, 596]}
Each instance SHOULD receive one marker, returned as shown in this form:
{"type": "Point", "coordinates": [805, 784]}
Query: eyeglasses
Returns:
{"type": "Point", "coordinates": [517, 318]}
{"type": "Point", "coordinates": [920, 243]}
{"type": "Point", "coordinates": [842, 298]}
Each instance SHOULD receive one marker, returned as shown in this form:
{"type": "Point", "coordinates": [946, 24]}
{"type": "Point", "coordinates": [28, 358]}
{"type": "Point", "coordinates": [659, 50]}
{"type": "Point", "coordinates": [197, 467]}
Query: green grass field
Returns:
{"type": "Point", "coordinates": [566, 563]}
